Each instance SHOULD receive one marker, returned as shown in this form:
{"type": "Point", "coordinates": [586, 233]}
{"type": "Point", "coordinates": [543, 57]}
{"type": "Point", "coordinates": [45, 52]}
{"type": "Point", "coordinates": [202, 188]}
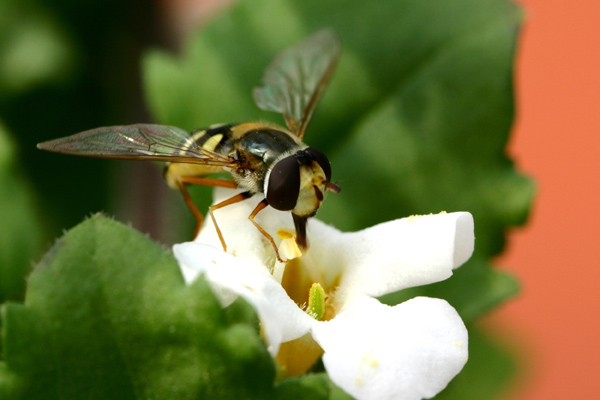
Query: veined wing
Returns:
{"type": "Point", "coordinates": [296, 80]}
{"type": "Point", "coordinates": [137, 142]}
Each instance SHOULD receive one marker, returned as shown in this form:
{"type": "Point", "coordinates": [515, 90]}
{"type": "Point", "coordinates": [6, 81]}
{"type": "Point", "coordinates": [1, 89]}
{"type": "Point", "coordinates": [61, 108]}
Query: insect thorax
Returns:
{"type": "Point", "coordinates": [257, 150]}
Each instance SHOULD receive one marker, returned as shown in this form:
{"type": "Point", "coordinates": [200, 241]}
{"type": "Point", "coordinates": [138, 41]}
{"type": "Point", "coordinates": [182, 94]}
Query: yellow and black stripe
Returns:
{"type": "Point", "coordinates": [216, 139]}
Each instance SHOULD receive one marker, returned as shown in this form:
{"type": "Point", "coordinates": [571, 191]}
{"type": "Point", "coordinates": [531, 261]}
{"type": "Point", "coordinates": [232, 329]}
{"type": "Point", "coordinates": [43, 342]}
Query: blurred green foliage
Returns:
{"type": "Point", "coordinates": [67, 66]}
{"type": "Point", "coordinates": [415, 121]}
{"type": "Point", "coordinates": [20, 236]}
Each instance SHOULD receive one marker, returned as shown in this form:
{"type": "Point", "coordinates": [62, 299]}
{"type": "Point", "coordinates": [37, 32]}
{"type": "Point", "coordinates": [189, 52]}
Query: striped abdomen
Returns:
{"type": "Point", "coordinates": [217, 138]}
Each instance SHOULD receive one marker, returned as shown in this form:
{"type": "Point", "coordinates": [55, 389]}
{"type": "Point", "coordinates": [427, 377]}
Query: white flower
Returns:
{"type": "Point", "coordinates": [371, 350]}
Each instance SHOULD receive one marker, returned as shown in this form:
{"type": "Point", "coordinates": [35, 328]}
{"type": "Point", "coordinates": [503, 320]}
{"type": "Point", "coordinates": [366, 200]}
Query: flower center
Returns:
{"type": "Point", "coordinates": [305, 283]}
{"type": "Point", "coordinates": [298, 280]}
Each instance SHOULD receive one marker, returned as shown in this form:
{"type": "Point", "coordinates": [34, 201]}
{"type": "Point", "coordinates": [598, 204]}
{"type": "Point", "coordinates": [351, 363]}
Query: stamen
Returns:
{"type": "Point", "coordinates": [316, 302]}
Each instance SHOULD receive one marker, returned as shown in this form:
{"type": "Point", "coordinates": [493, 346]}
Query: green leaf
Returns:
{"type": "Point", "coordinates": [310, 386]}
{"type": "Point", "coordinates": [20, 233]}
{"type": "Point", "coordinates": [473, 290]}
{"type": "Point", "coordinates": [107, 315]}
{"type": "Point", "coordinates": [415, 120]}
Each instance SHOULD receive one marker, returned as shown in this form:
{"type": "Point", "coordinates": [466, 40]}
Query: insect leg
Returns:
{"type": "Point", "coordinates": [199, 180]}
{"type": "Point", "coordinates": [232, 200]}
{"type": "Point", "coordinates": [259, 207]}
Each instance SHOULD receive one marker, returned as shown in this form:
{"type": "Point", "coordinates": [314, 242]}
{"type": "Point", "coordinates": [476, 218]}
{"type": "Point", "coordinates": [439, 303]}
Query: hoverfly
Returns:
{"type": "Point", "coordinates": [261, 157]}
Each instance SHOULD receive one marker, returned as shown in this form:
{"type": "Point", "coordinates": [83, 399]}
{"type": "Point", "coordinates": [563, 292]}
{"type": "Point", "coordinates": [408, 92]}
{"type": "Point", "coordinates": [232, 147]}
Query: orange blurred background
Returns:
{"type": "Point", "coordinates": [557, 141]}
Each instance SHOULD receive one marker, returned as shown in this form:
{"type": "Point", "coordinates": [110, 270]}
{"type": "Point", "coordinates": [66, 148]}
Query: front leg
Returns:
{"type": "Point", "coordinates": [232, 200]}
{"type": "Point", "coordinates": [259, 207]}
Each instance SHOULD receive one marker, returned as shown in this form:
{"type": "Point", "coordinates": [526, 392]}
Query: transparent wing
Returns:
{"type": "Point", "coordinates": [296, 80]}
{"type": "Point", "coordinates": [137, 142]}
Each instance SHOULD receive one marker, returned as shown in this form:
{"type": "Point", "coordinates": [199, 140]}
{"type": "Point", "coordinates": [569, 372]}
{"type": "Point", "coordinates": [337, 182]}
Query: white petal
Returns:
{"type": "Point", "coordinates": [282, 320]}
{"type": "Point", "coordinates": [408, 352]}
{"type": "Point", "coordinates": [398, 254]}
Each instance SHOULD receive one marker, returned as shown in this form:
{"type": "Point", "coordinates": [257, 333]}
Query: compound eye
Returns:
{"type": "Point", "coordinates": [283, 187]}
{"type": "Point", "coordinates": [319, 157]}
